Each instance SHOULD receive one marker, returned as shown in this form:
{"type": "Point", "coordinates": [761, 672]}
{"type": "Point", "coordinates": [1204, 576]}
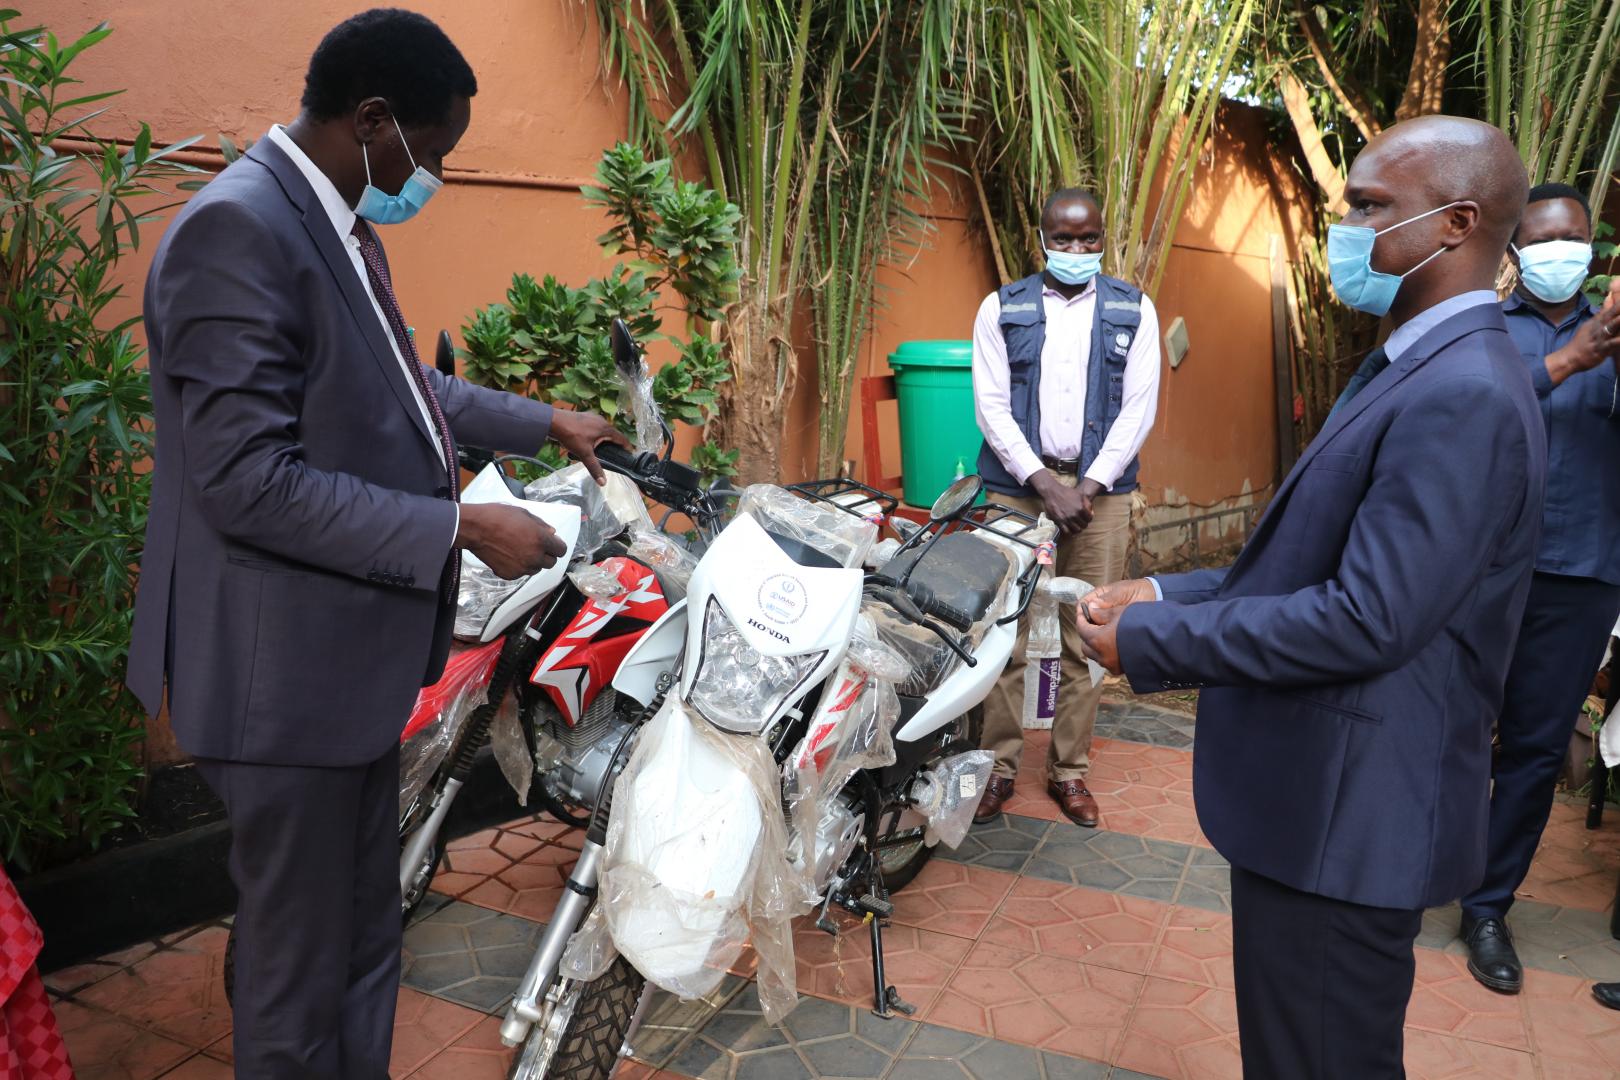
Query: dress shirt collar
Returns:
{"type": "Point", "coordinates": [340, 212]}
{"type": "Point", "coordinates": [1089, 291]}
{"type": "Point", "coordinates": [1404, 336]}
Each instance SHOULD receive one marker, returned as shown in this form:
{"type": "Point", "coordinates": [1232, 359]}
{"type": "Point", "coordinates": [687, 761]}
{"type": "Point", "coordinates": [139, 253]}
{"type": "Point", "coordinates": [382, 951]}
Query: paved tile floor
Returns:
{"type": "Point", "coordinates": [1036, 950]}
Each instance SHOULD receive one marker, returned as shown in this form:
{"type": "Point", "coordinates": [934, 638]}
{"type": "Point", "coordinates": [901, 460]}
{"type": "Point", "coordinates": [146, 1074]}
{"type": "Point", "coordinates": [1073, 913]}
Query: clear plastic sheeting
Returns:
{"type": "Point", "coordinates": [599, 520]}
{"type": "Point", "coordinates": [511, 749]}
{"type": "Point", "coordinates": [482, 590]}
{"type": "Point", "coordinates": [596, 582]}
{"type": "Point", "coordinates": [840, 536]}
{"type": "Point", "coordinates": [672, 560]}
{"type": "Point", "coordinates": [928, 660]}
{"type": "Point", "coordinates": [637, 393]}
{"type": "Point", "coordinates": [590, 951]}
{"type": "Point", "coordinates": [948, 794]}
{"type": "Point", "coordinates": [882, 553]}
{"type": "Point", "coordinates": [696, 864]}
{"type": "Point", "coordinates": [440, 711]}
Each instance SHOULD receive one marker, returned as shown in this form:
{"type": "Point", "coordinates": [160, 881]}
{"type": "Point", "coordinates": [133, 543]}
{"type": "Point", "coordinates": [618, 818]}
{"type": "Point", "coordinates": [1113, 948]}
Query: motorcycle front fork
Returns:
{"type": "Point", "coordinates": [420, 842]}
{"type": "Point", "coordinates": [580, 893]}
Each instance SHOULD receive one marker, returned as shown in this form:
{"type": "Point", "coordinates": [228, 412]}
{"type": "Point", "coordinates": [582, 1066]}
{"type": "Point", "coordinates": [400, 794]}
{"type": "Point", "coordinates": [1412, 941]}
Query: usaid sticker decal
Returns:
{"type": "Point", "coordinates": [1122, 341]}
{"type": "Point", "coordinates": [782, 599]}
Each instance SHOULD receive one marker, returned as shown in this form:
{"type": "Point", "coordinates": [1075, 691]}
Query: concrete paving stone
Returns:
{"type": "Point", "coordinates": [468, 954]}
{"type": "Point", "coordinates": [1116, 862]}
{"type": "Point", "coordinates": [669, 1022]}
{"type": "Point", "coordinates": [1208, 883]}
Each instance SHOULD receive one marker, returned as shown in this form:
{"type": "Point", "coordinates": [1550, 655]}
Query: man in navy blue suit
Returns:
{"type": "Point", "coordinates": [1354, 654]}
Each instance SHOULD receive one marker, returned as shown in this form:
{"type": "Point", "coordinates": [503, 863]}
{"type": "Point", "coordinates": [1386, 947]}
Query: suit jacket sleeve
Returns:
{"type": "Point", "coordinates": [232, 339]}
{"type": "Point", "coordinates": [1193, 587]}
{"type": "Point", "coordinates": [491, 419]}
{"type": "Point", "coordinates": [1450, 470]}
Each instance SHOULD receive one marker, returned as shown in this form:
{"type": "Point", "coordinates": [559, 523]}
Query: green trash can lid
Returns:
{"type": "Point", "coordinates": [932, 354]}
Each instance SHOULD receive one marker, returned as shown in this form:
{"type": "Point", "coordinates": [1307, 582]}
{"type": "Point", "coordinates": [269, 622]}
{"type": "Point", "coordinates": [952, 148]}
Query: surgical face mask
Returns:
{"type": "Point", "coordinates": [1069, 267]}
{"type": "Point", "coordinates": [1349, 256]}
{"type": "Point", "coordinates": [381, 209]}
{"type": "Point", "coordinates": [1553, 270]}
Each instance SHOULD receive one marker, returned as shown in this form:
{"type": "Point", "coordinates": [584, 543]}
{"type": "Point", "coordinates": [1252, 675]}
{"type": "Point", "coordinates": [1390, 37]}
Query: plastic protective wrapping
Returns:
{"type": "Point", "coordinates": [852, 729]}
{"type": "Point", "coordinates": [1043, 674]}
{"type": "Point", "coordinates": [696, 866]}
{"type": "Point", "coordinates": [882, 553]}
{"type": "Point", "coordinates": [440, 711]}
{"type": "Point", "coordinates": [948, 794]}
{"type": "Point", "coordinates": [596, 582]}
{"type": "Point", "coordinates": [637, 392]}
{"type": "Point", "coordinates": [511, 749]}
{"type": "Point", "coordinates": [838, 535]}
{"type": "Point", "coordinates": [603, 510]}
{"type": "Point", "coordinates": [482, 590]}
{"type": "Point", "coordinates": [673, 562]}
{"type": "Point", "coordinates": [590, 951]}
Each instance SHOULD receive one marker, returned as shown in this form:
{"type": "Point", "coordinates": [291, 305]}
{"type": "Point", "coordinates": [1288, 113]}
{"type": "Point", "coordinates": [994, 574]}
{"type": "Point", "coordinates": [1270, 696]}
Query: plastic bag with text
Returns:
{"type": "Point", "coordinates": [696, 865]}
{"type": "Point", "coordinates": [440, 711]}
{"type": "Point", "coordinates": [949, 793]}
{"type": "Point", "coordinates": [1043, 673]}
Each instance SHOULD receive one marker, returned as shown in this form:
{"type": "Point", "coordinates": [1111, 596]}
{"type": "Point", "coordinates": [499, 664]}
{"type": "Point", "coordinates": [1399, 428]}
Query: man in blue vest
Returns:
{"type": "Point", "coordinates": [1065, 385]}
{"type": "Point", "coordinates": [1575, 594]}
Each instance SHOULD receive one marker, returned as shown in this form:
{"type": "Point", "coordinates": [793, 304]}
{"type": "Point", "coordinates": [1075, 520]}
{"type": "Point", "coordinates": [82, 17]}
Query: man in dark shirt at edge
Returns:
{"type": "Point", "coordinates": [1575, 594]}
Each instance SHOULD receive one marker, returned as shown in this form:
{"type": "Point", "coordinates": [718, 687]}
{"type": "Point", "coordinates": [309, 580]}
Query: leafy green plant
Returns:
{"type": "Point", "coordinates": [551, 340]}
{"type": "Point", "coordinates": [75, 412]}
{"type": "Point", "coordinates": [1603, 252]}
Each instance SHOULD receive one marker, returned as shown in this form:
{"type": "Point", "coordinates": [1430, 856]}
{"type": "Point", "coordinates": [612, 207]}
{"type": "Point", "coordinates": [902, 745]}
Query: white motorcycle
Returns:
{"type": "Point", "coordinates": [812, 734]}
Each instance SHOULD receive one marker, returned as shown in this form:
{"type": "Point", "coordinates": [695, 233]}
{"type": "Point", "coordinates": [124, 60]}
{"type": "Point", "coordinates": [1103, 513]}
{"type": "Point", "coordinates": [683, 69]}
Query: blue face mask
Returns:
{"type": "Point", "coordinates": [1071, 268]}
{"type": "Point", "coordinates": [1552, 271]}
{"type": "Point", "coordinates": [380, 209]}
{"type": "Point", "coordinates": [1349, 256]}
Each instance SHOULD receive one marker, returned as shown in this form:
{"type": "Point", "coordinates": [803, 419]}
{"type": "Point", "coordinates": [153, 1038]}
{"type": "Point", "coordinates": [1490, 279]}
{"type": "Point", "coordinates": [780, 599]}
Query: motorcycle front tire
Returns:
{"type": "Point", "coordinates": [588, 1045]}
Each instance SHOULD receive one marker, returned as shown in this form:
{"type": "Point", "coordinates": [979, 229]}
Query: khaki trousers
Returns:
{"type": "Point", "coordinates": [1096, 556]}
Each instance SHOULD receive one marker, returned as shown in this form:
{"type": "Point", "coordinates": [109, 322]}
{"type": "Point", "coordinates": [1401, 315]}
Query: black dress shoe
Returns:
{"type": "Point", "coordinates": [1491, 958]}
{"type": "Point", "coordinates": [1607, 994]}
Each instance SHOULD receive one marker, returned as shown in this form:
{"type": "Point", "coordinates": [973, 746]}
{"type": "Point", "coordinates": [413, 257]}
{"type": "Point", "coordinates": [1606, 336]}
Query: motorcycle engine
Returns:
{"type": "Point", "coordinates": [586, 749]}
{"type": "Point", "coordinates": [837, 833]}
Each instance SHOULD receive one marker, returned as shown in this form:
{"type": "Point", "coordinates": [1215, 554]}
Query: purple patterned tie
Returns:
{"type": "Point", "coordinates": [383, 289]}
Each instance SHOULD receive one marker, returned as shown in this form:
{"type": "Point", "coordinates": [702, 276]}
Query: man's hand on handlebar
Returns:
{"type": "Point", "coordinates": [512, 542]}
{"type": "Point", "coordinates": [580, 433]}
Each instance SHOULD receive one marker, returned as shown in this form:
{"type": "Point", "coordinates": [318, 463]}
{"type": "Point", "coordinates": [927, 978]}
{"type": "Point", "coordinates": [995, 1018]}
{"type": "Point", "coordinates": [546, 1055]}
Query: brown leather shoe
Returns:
{"type": "Point", "coordinates": [996, 793]}
{"type": "Point", "coordinates": [1075, 801]}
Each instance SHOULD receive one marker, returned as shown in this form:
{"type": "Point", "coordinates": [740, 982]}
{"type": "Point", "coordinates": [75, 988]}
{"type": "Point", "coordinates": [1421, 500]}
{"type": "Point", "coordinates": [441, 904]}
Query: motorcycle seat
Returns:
{"type": "Point", "coordinates": [961, 570]}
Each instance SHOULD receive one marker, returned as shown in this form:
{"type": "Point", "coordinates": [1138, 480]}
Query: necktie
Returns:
{"type": "Point", "coordinates": [1376, 361]}
{"type": "Point", "coordinates": [383, 289]}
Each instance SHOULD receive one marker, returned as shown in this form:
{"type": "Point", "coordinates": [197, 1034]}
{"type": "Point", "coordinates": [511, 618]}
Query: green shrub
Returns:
{"type": "Point", "coordinates": [551, 340]}
{"type": "Point", "coordinates": [75, 412]}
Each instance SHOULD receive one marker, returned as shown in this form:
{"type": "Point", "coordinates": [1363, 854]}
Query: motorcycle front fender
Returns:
{"type": "Point", "coordinates": [655, 655]}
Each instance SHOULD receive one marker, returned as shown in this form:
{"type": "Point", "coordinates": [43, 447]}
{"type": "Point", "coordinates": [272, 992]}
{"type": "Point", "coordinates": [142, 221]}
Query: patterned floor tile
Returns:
{"type": "Point", "coordinates": [1570, 1033]}
{"type": "Point", "coordinates": [424, 1026]}
{"type": "Point", "coordinates": [530, 888]}
{"type": "Point", "coordinates": [1565, 940]}
{"type": "Point", "coordinates": [669, 1022]}
{"type": "Point", "coordinates": [916, 962]}
{"type": "Point", "coordinates": [818, 1039]}
{"type": "Point", "coordinates": [1182, 1031]}
{"type": "Point", "coordinates": [1111, 861]}
{"type": "Point", "coordinates": [1002, 844]}
{"type": "Point", "coordinates": [937, 1053]}
{"type": "Point", "coordinates": [1447, 1000]}
{"type": "Point", "coordinates": [477, 1054]}
{"type": "Point", "coordinates": [1440, 1057]}
{"type": "Point", "coordinates": [1196, 947]}
{"type": "Point", "coordinates": [952, 898]}
{"type": "Point", "coordinates": [1143, 723]}
{"type": "Point", "coordinates": [108, 1047]}
{"type": "Point", "coordinates": [469, 954]}
{"type": "Point", "coordinates": [201, 1067]}
{"type": "Point", "coordinates": [1208, 883]}
{"type": "Point", "coordinates": [518, 867]}
{"type": "Point", "coordinates": [1047, 1002]}
{"type": "Point", "coordinates": [178, 991]}
{"type": "Point", "coordinates": [1087, 925]}
{"type": "Point", "coordinates": [1575, 866]}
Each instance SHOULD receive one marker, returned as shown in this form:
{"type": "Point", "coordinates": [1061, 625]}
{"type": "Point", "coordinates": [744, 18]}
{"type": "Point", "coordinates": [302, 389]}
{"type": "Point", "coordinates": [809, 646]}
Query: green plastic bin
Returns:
{"type": "Point", "coordinates": [934, 383]}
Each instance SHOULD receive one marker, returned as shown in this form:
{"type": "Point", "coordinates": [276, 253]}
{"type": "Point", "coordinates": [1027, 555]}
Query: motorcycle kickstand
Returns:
{"type": "Point", "coordinates": [878, 909]}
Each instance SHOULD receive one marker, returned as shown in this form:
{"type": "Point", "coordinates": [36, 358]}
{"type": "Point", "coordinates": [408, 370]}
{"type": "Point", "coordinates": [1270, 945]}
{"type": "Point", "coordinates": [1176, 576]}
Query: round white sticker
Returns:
{"type": "Point", "coordinates": [782, 599]}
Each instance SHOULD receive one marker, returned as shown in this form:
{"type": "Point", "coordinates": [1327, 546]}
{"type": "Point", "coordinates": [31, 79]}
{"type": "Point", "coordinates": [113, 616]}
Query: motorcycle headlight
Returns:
{"type": "Point", "coordinates": [738, 689]}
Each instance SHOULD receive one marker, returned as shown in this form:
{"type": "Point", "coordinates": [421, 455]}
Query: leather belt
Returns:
{"type": "Point", "coordinates": [1070, 467]}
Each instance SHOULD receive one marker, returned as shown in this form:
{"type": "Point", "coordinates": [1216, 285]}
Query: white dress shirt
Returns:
{"type": "Point", "coordinates": [342, 216]}
{"type": "Point", "coordinates": [1064, 359]}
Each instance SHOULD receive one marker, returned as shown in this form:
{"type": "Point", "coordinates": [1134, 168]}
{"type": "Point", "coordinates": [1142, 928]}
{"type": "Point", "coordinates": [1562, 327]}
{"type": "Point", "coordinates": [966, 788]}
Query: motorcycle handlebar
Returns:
{"type": "Point", "coordinates": [902, 602]}
{"type": "Point", "coordinates": [930, 604]}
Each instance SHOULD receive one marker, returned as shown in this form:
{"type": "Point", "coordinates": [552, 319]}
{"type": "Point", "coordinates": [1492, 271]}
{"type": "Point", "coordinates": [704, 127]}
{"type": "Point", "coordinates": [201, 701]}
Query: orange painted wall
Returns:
{"type": "Point", "coordinates": [541, 119]}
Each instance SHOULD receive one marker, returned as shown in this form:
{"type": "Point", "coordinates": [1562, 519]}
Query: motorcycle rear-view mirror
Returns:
{"type": "Point", "coordinates": [651, 430]}
{"type": "Point", "coordinates": [626, 353]}
{"type": "Point", "coordinates": [957, 499]}
{"type": "Point", "coordinates": [445, 357]}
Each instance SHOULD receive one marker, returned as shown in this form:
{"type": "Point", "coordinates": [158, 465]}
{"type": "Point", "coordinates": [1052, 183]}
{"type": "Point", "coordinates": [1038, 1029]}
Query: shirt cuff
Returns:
{"type": "Point", "coordinates": [1100, 475]}
{"type": "Point", "coordinates": [1158, 591]}
{"type": "Point", "coordinates": [455, 532]}
{"type": "Point", "coordinates": [1025, 465]}
{"type": "Point", "coordinates": [1540, 379]}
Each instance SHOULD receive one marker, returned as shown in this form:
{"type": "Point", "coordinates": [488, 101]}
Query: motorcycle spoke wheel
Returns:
{"type": "Point", "coordinates": [584, 1029]}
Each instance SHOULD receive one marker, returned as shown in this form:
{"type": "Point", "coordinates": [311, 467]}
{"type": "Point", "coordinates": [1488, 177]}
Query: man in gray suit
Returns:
{"type": "Point", "coordinates": [302, 552]}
